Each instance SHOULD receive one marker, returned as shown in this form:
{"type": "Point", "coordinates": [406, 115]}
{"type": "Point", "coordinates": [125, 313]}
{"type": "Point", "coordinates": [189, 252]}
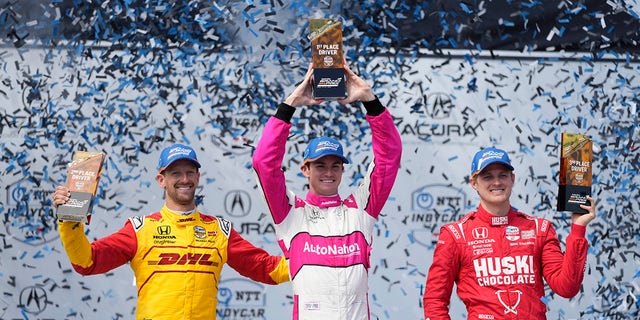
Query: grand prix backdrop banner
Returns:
{"type": "Point", "coordinates": [131, 98]}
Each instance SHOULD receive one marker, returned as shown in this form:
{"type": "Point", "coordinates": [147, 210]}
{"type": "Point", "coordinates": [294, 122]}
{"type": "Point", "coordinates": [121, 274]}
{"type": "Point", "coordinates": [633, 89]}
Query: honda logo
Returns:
{"type": "Point", "coordinates": [480, 233]}
{"type": "Point", "coordinates": [164, 230]}
{"type": "Point", "coordinates": [237, 203]}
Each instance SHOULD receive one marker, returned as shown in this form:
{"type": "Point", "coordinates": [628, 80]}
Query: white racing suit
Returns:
{"type": "Point", "coordinates": [327, 240]}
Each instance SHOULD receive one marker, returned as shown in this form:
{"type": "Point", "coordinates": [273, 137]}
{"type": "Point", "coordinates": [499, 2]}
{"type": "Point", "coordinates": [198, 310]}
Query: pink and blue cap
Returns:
{"type": "Point", "coordinates": [174, 153]}
{"type": "Point", "coordinates": [321, 147]}
{"type": "Point", "coordinates": [487, 156]}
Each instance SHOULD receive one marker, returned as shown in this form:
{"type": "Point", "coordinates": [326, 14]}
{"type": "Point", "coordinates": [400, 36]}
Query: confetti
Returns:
{"type": "Point", "coordinates": [129, 78]}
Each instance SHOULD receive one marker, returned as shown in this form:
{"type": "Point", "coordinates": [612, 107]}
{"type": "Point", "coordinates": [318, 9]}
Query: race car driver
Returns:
{"type": "Point", "coordinates": [176, 254]}
{"type": "Point", "coordinates": [498, 256]}
{"type": "Point", "coordinates": [327, 239]}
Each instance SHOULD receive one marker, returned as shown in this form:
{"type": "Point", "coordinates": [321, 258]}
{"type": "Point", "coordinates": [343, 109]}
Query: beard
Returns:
{"type": "Point", "coordinates": [181, 197]}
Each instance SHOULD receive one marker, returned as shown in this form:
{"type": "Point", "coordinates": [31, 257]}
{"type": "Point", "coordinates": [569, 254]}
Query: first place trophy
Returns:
{"type": "Point", "coordinates": [82, 180]}
{"type": "Point", "coordinates": [328, 63]}
{"type": "Point", "coordinates": [575, 172]}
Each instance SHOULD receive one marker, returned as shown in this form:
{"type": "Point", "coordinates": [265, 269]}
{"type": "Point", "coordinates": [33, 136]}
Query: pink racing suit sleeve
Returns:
{"type": "Point", "coordinates": [267, 163]}
{"type": "Point", "coordinates": [101, 255]}
{"type": "Point", "coordinates": [564, 272]}
{"type": "Point", "coordinates": [441, 277]}
{"type": "Point", "coordinates": [387, 151]}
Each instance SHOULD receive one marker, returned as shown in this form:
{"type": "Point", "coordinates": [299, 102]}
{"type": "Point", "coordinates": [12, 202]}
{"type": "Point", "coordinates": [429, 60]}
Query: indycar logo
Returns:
{"type": "Point", "coordinates": [512, 233]}
{"type": "Point", "coordinates": [200, 232]}
{"type": "Point", "coordinates": [240, 298]}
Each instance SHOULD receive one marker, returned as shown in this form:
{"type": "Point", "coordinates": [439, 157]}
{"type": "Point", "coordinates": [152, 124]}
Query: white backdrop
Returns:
{"type": "Point", "coordinates": [56, 102]}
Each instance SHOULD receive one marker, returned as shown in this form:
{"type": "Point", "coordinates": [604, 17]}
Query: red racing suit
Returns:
{"type": "Point", "coordinates": [498, 264]}
{"type": "Point", "coordinates": [327, 239]}
{"type": "Point", "coordinates": [176, 260]}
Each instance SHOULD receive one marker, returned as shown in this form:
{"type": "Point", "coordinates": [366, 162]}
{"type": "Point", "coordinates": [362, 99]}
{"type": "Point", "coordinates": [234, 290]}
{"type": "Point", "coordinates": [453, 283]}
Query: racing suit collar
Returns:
{"type": "Point", "coordinates": [179, 219]}
{"type": "Point", "coordinates": [494, 220]}
{"type": "Point", "coordinates": [323, 201]}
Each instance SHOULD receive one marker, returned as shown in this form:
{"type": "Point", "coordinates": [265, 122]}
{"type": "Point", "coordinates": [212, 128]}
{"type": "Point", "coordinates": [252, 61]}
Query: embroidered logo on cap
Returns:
{"type": "Point", "coordinates": [178, 151]}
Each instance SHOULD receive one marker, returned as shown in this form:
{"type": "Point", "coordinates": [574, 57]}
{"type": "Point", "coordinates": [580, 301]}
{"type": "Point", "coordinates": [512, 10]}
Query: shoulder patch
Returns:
{"type": "Point", "coordinates": [225, 226]}
{"type": "Point", "coordinates": [299, 202]}
{"type": "Point", "coordinates": [526, 216]}
{"type": "Point", "coordinates": [457, 229]}
{"type": "Point", "coordinates": [454, 231]}
{"type": "Point", "coordinates": [350, 202]}
{"type": "Point", "coordinates": [467, 217]}
{"type": "Point", "coordinates": [137, 222]}
{"type": "Point", "coordinates": [207, 218]}
{"type": "Point", "coordinates": [544, 226]}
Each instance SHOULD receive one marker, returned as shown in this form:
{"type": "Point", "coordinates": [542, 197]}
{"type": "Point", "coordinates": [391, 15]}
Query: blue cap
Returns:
{"type": "Point", "coordinates": [323, 146]}
{"type": "Point", "coordinates": [175, 152]}
{"type": "Point", "coordinates": [487, 156]}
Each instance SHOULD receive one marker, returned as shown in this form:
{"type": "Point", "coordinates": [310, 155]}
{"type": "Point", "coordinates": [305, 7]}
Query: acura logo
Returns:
{"type": "Point", "coordinates": [480, 233]}
{"type": "Point", "coordinates": [237, 203]}
{"type": "Point", "coordinates": [33, 299]}
{"type": "Point", "coordinates": [439, 105]}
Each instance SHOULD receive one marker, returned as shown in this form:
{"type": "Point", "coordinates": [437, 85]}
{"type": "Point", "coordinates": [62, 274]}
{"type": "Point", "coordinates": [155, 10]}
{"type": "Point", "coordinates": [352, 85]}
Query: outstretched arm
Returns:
{"type": "Point", "coordinates": [255, 263]}
{"type": "Point", "coordinates": [269, 154]}
{"type": "Point", "coordinates": [386, 143]}
{"type": "Point", "coordinates": [100, 256]}
{"type": "Point", "coordinates": [564, 272]}
{"type": "Point", "coordinates": [267, 163]}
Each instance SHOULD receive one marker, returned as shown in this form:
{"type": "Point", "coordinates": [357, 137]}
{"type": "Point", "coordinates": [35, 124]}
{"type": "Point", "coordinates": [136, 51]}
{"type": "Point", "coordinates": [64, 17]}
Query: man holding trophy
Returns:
{"type": "Point", "coordinates": [177, 254]}
{"type": "Point", "coordinates": [498, 256]}
{"type": "Point", "coordinates": [327, 239]}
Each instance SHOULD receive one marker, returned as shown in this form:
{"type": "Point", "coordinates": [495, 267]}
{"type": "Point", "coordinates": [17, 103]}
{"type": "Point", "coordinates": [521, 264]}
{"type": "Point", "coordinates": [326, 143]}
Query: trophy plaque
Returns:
{"type": "Point", "coordinates": [328, 80]}
{"type": "Point", "coordinates": [82, 180]}
{"type": "Point", "coordinates": [576, 154]}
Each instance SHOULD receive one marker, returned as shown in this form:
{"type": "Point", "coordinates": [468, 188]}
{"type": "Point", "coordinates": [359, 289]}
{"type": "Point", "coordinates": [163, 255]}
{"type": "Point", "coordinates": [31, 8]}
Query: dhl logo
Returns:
{"type": "Point", "coordinates": [187, 258]}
